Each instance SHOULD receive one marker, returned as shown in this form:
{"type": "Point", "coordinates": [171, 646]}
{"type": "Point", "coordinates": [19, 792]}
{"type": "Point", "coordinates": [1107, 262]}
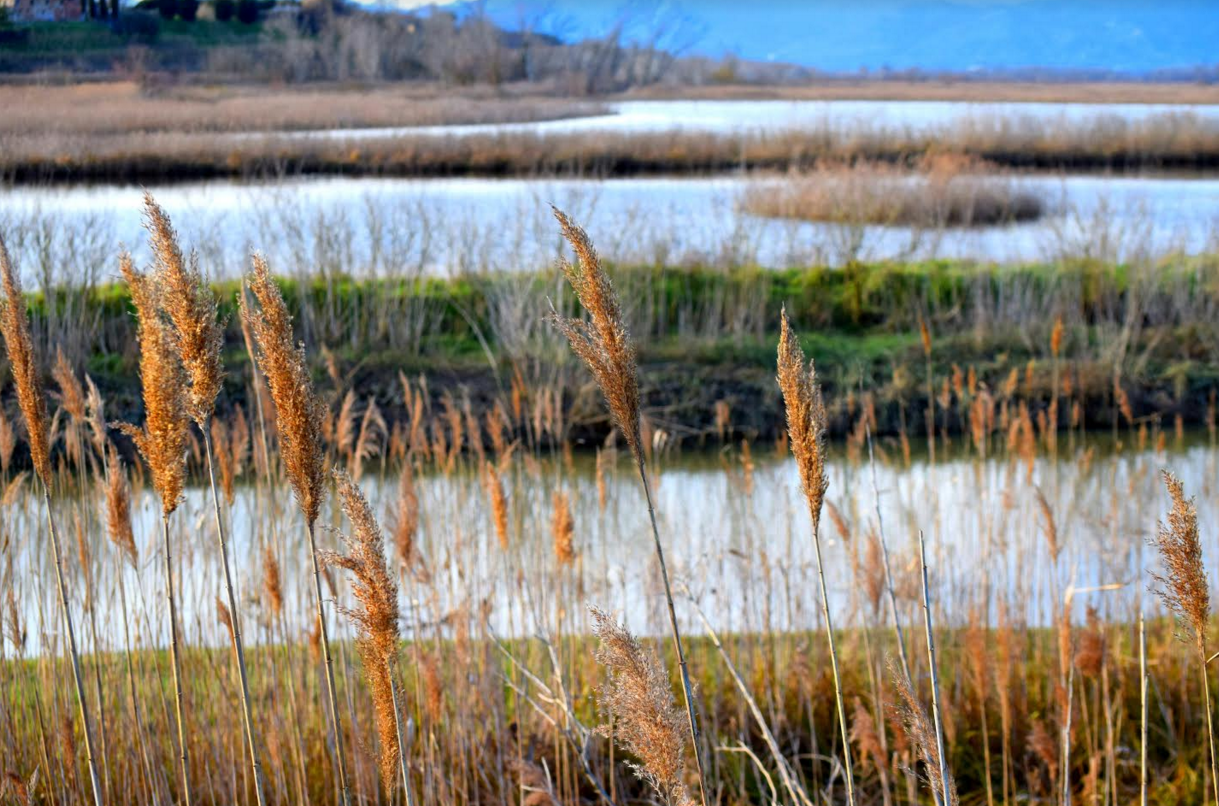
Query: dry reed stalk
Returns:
{"type": "Point", "coordinates": [638, 700]}
{"type": "Point", "coordinates": [605, 346]}
{"type": "Point", "coordinates": [162, 443]}
{"type": "Point", "coordinates": [499, 504]}
{"type": "Point", "coordinates": [298, 415]}
{"type": "Point", "coordinates": [1184, 587]}
{"type": "Point", "coordinates": [198, 337]}
{"type": "Point", "coordinates": [806, 420]}
{"type": "Point", "coordinates": [786, 775]}
{"type": "Point", "coordinates": [949, 797]}
{"type": "Point", "coordinates": [15, 326]}
{"type": "Point", "coordinates": [1142, 709]}
{"type": "Point", "coordinates": [377, 620]}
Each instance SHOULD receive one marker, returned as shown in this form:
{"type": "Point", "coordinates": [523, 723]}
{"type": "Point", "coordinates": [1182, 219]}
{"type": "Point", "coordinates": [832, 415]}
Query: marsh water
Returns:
{"type": "Point", "coordinates": [737, 535]}
{"type": "Point", "coordinates": [448, 226]}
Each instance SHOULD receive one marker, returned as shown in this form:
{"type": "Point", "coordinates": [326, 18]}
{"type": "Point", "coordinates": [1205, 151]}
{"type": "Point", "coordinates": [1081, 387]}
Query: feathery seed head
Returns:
{"type": "Point", "coordinates": [15, 325]}
{"type": "Point", "coordinates": [638, 697]}
{"type": "Point", "coordinates": [1184, 587]}
{"type": "Point", "coordinates": [806, 417]}
{"type": "Point", "coordinates": [377, 618]}
{"type": "Point", "coordinates": [163, 439]}
{"type": "Point", "coordinates": [298, 411]}
{"type": "Point", "coordinates": [602, 341]}
{"type": "Point", "coordinates": [191, 308]}
{"type": "Point", "coordinates": [118, 508]}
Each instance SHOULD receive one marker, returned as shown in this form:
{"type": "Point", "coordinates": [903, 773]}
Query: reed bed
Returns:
{"type": "Point", "coordinates": [1171, 141]}
{"type": "Point", "coordinates": [939, 192]}
{"type": "Point", "coordinates": [977, 627]}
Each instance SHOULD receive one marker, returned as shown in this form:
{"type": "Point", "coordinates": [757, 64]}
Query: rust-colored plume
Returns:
{"type": "Point", "coordinates": [919, 730]}
{"type": "Point", "coordinates": [298, 412]}
{"type": "Point", "coordinates": [377, 618]}
{"type": "Point", "coordinates": [163, 440]}
{"type": "Point", "coordinates": [638, 698]}
{"type": "Point", "coordinates": [191, 308]}
{"type": "Point", "coordinates": [603, 341]}
{"type": "Point", "coordinates": [1183, 586]}
{"type": "Point", "coordinates": [15, 325]}
{"type": "Point", "coordinates": [118, 508]}
{"type": "Point", "coordinates": [562, 528]}
{"type": "Point", "coordinates": [805, 417]}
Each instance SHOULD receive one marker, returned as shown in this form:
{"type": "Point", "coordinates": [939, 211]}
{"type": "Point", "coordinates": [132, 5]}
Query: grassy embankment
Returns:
{"type": "Point", "coordinates": [707, 338]}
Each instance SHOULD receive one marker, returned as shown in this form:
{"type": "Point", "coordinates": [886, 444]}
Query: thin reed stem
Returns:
{"type": "Point", "coordinates": [183, 754]}
{"type": "Point", "coordinates": [1210, 724]}
{"type": "Point", "coordinates": [884, 556]}
{"type": "Point", "coordinates": [238, 646]}
{"type": "Point", "coordinates": [71, 630]}
{"type": "Point", "coordinates": [935, 680]}
{"type": "Point", "coordinates": [1142, 709]}
{"type": "Point", "coordinates": [686, 689]}
{"type": "Point", "coordinates": [331, 692]}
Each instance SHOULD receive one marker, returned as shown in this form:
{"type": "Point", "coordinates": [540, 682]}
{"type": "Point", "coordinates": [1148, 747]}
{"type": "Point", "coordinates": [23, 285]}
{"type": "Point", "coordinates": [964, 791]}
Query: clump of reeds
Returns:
{"type": "Point", "coordinates": [15, 326]}
{"type": "Point", "coordinates": [806, 422]}
{"type": "Point", "coordinates": [197, 334]}
{"type": "Point", "coordinates": [646, 721]}
{"type": "Point", "coordinates": [163, 443]}
{"type": "Point", "coordinates": [377, 591]}
{"type": "Point", "coordinates": [1184, 587]}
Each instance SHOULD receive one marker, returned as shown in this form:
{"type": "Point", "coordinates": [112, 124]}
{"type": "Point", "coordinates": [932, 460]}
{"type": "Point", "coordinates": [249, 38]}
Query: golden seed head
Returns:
{"type": "Point", "coordinates": [118, 508]}
{"type": "Point", "coordinates": [602, 341]}
{"type": "Point", "coordinates": [377, 592]}
{"type": "Point", "coordinates": [640, 701]}
{"type": "Point", "coordinates": [163, 439]}
{"type": "Point", "coordinates": [15, 325]}
{"type": "Point", "coordinates": [806, 417]}
{"type": "Point", "coordinates": [562, 529]}
{"type": "Point", "coordinates": [191, 308]}
{"type": "Point", "coordinates": [1183, 587]}
{"type": "Point", "coordinates": [298, 411]}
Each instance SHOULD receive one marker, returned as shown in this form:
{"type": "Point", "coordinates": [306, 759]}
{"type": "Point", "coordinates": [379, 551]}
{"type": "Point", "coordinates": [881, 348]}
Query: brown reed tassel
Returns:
{"type": "Point", "coordinates": [298, 416]}
{"type": "Point", "coordinates": [806, 420]}
{"type": "Point", "coordinates": [638, 699]}
{"type": "Point", "coordinates": [374, 587]}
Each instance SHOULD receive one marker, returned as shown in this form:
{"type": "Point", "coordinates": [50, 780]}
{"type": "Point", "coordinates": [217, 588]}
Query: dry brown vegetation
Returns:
{"type": "Point", "coordinates": [126, 107]}
{"type": "Point", "coordinates": [938, 192]}
{"type": "Point", "coordinates": [473, 675]}
{"type": "Point", "coordinates": [1178, 141]}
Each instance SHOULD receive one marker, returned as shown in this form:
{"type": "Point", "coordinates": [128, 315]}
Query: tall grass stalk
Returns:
{"type": "Point", "coordinates": [15, 326]}
{"type": "Point", "coordinates": [806, 420]}
{"type": "Point", "coordinates": [299, 416]}
{"type": "Point", "coordinates": [933, 670]}
{"type": "Point", "coordinates": [605, 346]}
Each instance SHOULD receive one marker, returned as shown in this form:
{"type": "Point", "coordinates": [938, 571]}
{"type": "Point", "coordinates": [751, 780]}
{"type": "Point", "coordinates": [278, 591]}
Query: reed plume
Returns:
{"type": "Point", "coordinates": [603, 342]}
{"type": "Point", "coordinates": [191, 308]}
{"type": "Point", "coordinates": [118, 508]}
{"type": "Point", "coordinates": [1185, 589]}
{"type": "Point", "coordinates": [806, 421]}
{"type": "Point", "coordinates": [646, 721]}
{"type": "Point", "coordinates": [605, 346]}
{"type": "Point", "coordinates": [298, 411]}
{"type": "Point", "coordinates": [406, 521]}
{"type": "Point", "coordinates": [562, 528]}
{"type": "Point", "coordinates": [377, 619]}
{"type": "Point", "coordinates": [15, 327]}
{"type": "Point", "coordinates": [299, 415]}
{"type": "Point", "coordinates": [499, 504]}
{"type": "Point", "coordinates": [163, 439]}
